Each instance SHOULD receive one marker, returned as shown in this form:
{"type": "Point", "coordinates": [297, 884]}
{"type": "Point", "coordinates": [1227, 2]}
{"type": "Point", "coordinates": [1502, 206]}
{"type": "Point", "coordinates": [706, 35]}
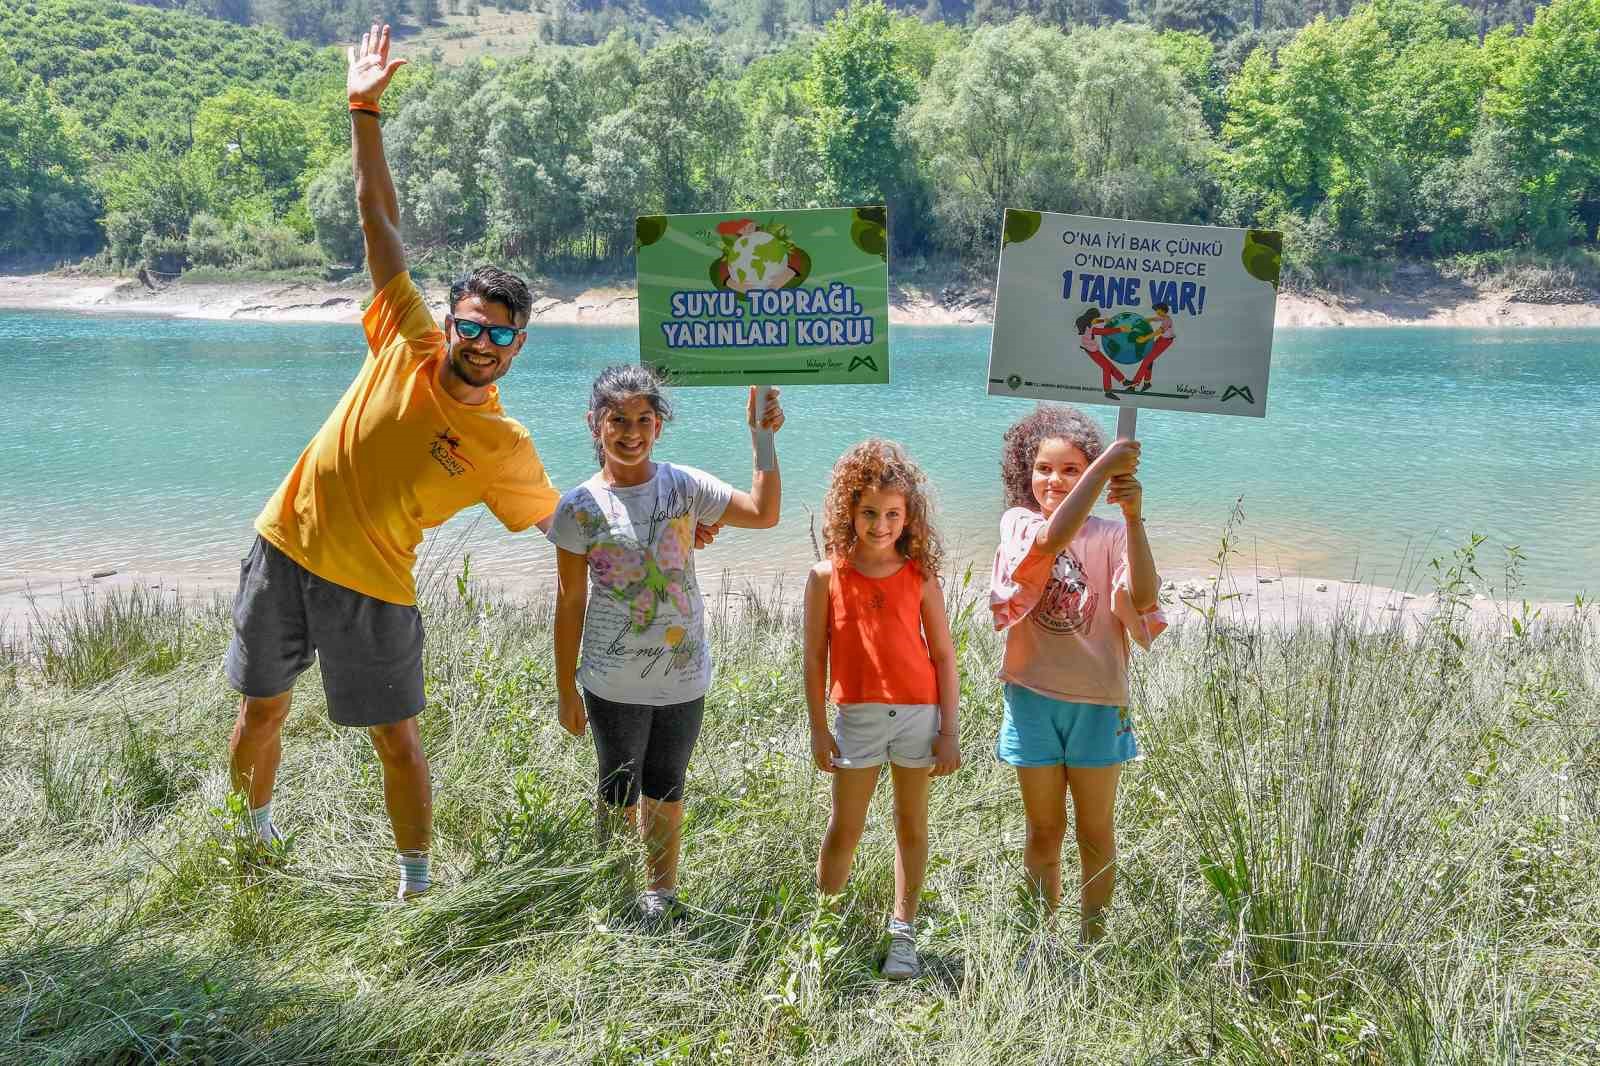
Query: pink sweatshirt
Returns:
{"type": "Point", "coordinates": [1067, 620]}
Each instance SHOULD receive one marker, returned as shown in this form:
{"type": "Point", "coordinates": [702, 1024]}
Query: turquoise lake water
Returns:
{"type": "Point", "coordinates": [150, 444]}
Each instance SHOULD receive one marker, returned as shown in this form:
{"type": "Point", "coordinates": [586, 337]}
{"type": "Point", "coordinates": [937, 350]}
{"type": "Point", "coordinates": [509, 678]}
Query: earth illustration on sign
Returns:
{"type": "Point", "coordinates": [1122, 347]}
{"type": "Point", "coordinates": [757, 257]}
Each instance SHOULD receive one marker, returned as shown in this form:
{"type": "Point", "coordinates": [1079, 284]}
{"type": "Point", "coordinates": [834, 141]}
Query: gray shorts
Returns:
{"type": "Point", "coordinates": [871, 733]}
{"type": "Point", "coordinates": [285, 616]}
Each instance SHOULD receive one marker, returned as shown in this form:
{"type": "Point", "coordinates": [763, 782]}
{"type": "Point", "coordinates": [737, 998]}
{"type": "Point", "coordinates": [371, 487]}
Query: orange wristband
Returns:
{"type": "Point", "coordinates": [362, 105]}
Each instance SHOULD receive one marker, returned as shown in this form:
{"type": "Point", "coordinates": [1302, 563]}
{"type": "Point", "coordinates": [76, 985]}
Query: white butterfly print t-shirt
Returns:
{"type": "Point", "coordinates": [644, 631]}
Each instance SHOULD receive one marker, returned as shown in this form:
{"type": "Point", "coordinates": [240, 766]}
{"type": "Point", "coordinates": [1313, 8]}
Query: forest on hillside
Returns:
{"type": "Point", "coordinates": [769, 21]}
{"type": "Point", "coordinates": [1415, 128]}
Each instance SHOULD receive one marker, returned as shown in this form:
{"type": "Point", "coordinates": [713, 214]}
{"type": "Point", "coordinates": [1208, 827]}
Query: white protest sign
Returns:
{"type": "Point", "coordinates": [1138, 314]}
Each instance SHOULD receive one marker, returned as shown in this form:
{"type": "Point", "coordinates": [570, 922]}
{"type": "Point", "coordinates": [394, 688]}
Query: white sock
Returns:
{"type": "Point", "coordinates": [414, 875]}
{"type": "Point", "coordinates": [261, 817]}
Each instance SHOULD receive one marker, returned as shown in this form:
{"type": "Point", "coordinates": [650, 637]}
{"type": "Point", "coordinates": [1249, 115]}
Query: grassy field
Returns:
{"type": "Point", "coordinates": [460, 37]}
{"type": "Point", "coordinates": [1346, 844]}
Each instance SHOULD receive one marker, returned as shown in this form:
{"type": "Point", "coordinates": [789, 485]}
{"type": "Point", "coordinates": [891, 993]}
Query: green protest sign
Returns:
{"type": "Point", "coordinates": [765, 297]}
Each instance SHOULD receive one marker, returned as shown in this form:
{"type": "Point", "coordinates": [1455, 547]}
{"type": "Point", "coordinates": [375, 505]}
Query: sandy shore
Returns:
{"type": "Point", "coordinates": [1250, 598]}
{"type": "Point", "coordinates": [1427, 301]}
{"type": "Point", "coordinates": [1476, 310]}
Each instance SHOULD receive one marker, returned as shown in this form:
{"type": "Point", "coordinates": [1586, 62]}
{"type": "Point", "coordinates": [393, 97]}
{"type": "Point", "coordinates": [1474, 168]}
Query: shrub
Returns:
{"type": "Point", "coordinates": [331, 200]}
{"type": "Point", "coordinates": [209, 243]}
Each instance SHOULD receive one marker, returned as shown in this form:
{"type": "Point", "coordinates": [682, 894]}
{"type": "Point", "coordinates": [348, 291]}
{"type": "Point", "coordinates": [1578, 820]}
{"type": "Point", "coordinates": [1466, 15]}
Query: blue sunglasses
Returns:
{"type": "Point", "coordinates": [499, 336]}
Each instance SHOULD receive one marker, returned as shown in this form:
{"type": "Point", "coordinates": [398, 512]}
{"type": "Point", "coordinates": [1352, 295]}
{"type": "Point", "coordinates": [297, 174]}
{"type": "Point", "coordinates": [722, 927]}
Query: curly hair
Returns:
{"type": "Point", "coordinates": [884, 465]}
{"type": "Point", "coordinates": [1047, 421]}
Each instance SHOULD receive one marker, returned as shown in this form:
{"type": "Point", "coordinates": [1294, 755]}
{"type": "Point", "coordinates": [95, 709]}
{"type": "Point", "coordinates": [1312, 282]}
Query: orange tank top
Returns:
{"type": "Point", "coordinates": [876, 650]}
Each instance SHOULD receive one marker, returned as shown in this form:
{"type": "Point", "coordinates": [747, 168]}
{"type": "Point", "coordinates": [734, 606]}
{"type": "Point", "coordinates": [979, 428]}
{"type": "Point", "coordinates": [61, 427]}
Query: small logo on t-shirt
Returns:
{"type": "Point", "coordinates": [875, 601]}
{"type": "Point", "coordinates": [1068, 603]}
{"type": "Point", "coordinates": [445, 453]}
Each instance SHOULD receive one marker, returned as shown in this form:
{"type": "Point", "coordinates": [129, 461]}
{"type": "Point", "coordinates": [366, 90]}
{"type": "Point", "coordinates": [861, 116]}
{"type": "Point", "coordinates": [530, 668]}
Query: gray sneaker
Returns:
{"type": "Point", "coordinates": [901, 963]}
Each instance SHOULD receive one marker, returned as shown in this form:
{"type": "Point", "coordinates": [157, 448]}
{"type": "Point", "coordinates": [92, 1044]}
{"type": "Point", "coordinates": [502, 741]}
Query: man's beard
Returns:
{"type": "Point", "coordinates": [473, 376]}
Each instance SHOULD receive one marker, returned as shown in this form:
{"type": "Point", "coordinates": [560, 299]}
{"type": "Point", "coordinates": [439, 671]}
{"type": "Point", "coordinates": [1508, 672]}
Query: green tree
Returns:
{"type": "Point", "coordinates": [331, 202]}
{"type": "Point", "coordinates": [614, 182]}
{"type": "Point", "coordinates": [610, 74]}
{"type": "Point", "coordinates": [537, 125]}
{"type": "Point", "coordinates": [1294, 130]}
{"type": "Point", "coordinates": [1194, 58]}
{"type": "Point", "coordinates": [1213, 18]}
{"type": "Point", "coordinates": [1063, 14]}
{"type": "Point", "coordinates": [1474, 202]}
{"type": "Point", "coordinates": [304, 19]}
{"type": "Point", "coordinates": [779, 164]}
{"type": "Point", "coordinates": [1138, 142]}
{"type": "Point", "coordinates": [919, 44]}
{"type": "Point", "coordinates": [253, 149]}
{"type": "Point", "coordinates": [857, 87]}
{"type": "Point", "coordinates": [152, 194]}
{"type": "Point", "coordinates": [1549, 100]}
{"type": "Point", "coordinates": [427, 137]}
{"type": "Point", "coordinates": [46, 202]}
{"type": "Point", "coordinates": [991, 127]}
{"type": "Point", "coordinates": [437, 208]}
{"type": "Point", "coordinates": [1353, 118]}
{"type": "Point", "coordinates": [1418, 109]}
{"type": "Point", "coordinates": [687, 110]}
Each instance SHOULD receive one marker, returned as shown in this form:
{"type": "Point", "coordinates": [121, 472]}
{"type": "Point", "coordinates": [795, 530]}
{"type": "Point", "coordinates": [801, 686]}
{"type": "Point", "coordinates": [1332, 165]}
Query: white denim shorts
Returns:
{"type": "Point", "coordinates": [871, 733]}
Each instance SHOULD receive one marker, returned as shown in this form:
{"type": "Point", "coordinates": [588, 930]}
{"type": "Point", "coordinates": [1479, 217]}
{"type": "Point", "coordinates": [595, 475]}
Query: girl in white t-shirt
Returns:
{"type": "Point", "coordinates": [626, 589]}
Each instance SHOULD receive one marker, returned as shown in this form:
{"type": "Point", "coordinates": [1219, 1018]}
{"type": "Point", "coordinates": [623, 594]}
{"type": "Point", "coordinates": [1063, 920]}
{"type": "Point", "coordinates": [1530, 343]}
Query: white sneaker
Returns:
{"type": "Point", "coordinates": [655, 908]}
{"type": "Point", "coordinates": [901, 962]}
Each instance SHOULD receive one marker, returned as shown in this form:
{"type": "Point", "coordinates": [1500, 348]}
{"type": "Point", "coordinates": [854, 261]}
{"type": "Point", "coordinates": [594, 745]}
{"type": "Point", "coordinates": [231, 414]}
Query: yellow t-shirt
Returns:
{"type": "Point", "coordinates": [397, 456]}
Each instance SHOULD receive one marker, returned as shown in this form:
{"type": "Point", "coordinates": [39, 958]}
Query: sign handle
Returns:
{"type": "Point", "coordinates": [1127, 423]}
{"type": "Point", "coordinates": [766, 450]}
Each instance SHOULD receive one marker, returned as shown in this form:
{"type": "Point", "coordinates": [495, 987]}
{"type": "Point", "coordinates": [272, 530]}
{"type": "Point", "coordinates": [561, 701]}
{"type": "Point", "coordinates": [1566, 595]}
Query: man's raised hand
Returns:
{"type": "Point", "coordinates": [369, 67]}
{"type": "Point", "coordinates": [369, 73]}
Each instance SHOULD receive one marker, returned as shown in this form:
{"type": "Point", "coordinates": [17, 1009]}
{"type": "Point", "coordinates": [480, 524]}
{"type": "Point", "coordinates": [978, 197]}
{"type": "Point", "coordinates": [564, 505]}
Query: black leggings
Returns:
{"type": "Point", "coordinates": [642, 748]}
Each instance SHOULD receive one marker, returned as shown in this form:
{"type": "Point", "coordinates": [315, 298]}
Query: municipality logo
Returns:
{"type": "Point", "coordinates": [1237, 390]}
{"type": "Point", "coordinates": [1014, 381]}
{"type": "Point", "coordinates": [861, 360]}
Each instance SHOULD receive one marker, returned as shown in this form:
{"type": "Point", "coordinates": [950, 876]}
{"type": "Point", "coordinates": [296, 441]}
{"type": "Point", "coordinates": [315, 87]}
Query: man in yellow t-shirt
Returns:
{"type": "Point", "coordinates": [419, 435]}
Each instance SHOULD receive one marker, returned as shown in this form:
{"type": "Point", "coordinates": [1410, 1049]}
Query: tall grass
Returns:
{"type": "Point", "coordinates": [1347, 843]}
{"type": "Point", "coordinates": [101, 633]}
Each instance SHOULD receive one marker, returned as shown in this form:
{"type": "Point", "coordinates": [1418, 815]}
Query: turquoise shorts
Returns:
{"type": "Point", "coordinates": [1043, 731]}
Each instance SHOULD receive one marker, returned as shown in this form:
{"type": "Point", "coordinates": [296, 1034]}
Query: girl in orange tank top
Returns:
{"type": "Point", "coordinates": [875, 621]}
